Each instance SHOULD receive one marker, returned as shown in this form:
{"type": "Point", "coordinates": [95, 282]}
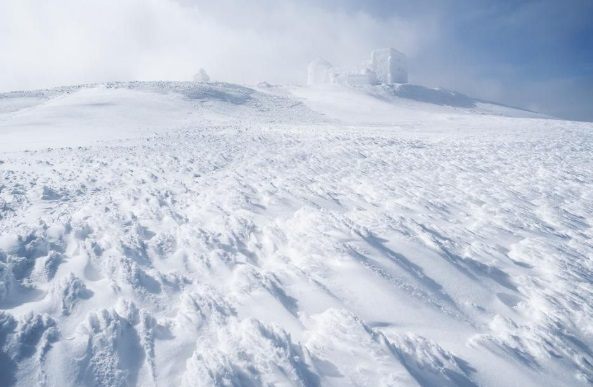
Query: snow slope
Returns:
{"type": "Point", "coordinates": [160, 234]}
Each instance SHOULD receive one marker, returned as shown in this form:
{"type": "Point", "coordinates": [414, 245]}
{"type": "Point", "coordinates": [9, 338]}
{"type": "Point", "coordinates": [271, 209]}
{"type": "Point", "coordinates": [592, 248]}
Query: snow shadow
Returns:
{"type": "Point", "coordinates": [234, 94]}
{"type": "Point", "coordinates": [7, 370]}
{"type": "Point", "coordinates": [457, 373]}
{"type": "Point", "coordinates": [408, 266]}
{"type": "Point", "coordinates": [434, 96]}
{"type": "Point", "coordinates": [468, 266]}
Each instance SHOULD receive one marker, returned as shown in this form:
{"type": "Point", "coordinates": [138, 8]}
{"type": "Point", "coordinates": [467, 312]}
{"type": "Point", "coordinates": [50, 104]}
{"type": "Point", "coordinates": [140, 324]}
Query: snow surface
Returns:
{"type": "Point", "coordinates": [163, 234]}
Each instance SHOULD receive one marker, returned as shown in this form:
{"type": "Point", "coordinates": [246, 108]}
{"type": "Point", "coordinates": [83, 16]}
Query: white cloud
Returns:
{"type": "Point", "coordinates": [70, 41]}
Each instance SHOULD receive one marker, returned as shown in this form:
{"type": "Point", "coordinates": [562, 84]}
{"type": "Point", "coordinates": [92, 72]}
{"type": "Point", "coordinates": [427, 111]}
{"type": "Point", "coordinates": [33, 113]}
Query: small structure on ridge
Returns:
{"type": "Point", "coordinates": [386, 66]}
{"type": "Point", "coordinates": [201, 76]}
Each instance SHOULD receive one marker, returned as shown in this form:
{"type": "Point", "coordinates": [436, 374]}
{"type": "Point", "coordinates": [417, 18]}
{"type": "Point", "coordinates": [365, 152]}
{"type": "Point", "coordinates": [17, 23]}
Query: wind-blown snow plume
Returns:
{"type": "Point", "coordinates": [69, 42]}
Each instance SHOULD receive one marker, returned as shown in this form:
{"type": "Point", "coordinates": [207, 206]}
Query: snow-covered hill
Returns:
{"type": "Point", "coordinates": [163, 234]}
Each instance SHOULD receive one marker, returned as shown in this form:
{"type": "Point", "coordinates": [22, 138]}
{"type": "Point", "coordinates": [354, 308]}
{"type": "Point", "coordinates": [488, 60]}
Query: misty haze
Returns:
{"type": "Point", "coordinates": [296, 193]}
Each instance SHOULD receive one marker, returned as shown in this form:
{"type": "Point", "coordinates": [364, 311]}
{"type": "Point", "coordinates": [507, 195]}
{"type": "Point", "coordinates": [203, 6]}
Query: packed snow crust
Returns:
{"type": "Point", "coordinates": [162, 234]}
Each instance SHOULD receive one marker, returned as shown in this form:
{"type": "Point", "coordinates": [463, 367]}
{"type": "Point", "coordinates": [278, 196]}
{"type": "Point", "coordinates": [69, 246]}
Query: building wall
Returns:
{"type": "Point", "coordinates": [389, 65]}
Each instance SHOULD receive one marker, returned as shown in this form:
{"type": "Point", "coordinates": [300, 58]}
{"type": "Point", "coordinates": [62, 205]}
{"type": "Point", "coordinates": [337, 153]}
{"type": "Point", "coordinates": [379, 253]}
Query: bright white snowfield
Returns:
{"type": "Point", "coordinates": [179, 234]}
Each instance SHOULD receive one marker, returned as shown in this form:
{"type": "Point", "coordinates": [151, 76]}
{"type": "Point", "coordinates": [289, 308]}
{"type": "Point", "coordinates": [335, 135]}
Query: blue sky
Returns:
{"type": "Point", "coordinates": [536, 54]}
{"type": "Point", "coordinates": [533, 53]}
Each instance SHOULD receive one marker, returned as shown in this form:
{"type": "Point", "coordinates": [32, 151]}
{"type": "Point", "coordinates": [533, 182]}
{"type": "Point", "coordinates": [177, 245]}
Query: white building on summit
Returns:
{"type": "Point", "coordinates": [320, 71]}
{"type": "Point", "coordinates": [389, 66]}
{"type": "Point", "coordinates": [386, 66]}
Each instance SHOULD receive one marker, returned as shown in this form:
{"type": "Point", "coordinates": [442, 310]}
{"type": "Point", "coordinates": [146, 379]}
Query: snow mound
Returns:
{"type": "Point", "coordinates": [87, 114]}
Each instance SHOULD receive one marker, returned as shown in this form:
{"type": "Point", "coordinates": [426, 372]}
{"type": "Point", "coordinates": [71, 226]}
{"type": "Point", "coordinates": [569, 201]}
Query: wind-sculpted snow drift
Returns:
{"type": "Point", "coordinates": [211, 234]}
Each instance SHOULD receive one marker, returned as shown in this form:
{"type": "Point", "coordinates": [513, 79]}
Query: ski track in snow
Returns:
{"type": "Point", "coordinates": [258, 242]}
